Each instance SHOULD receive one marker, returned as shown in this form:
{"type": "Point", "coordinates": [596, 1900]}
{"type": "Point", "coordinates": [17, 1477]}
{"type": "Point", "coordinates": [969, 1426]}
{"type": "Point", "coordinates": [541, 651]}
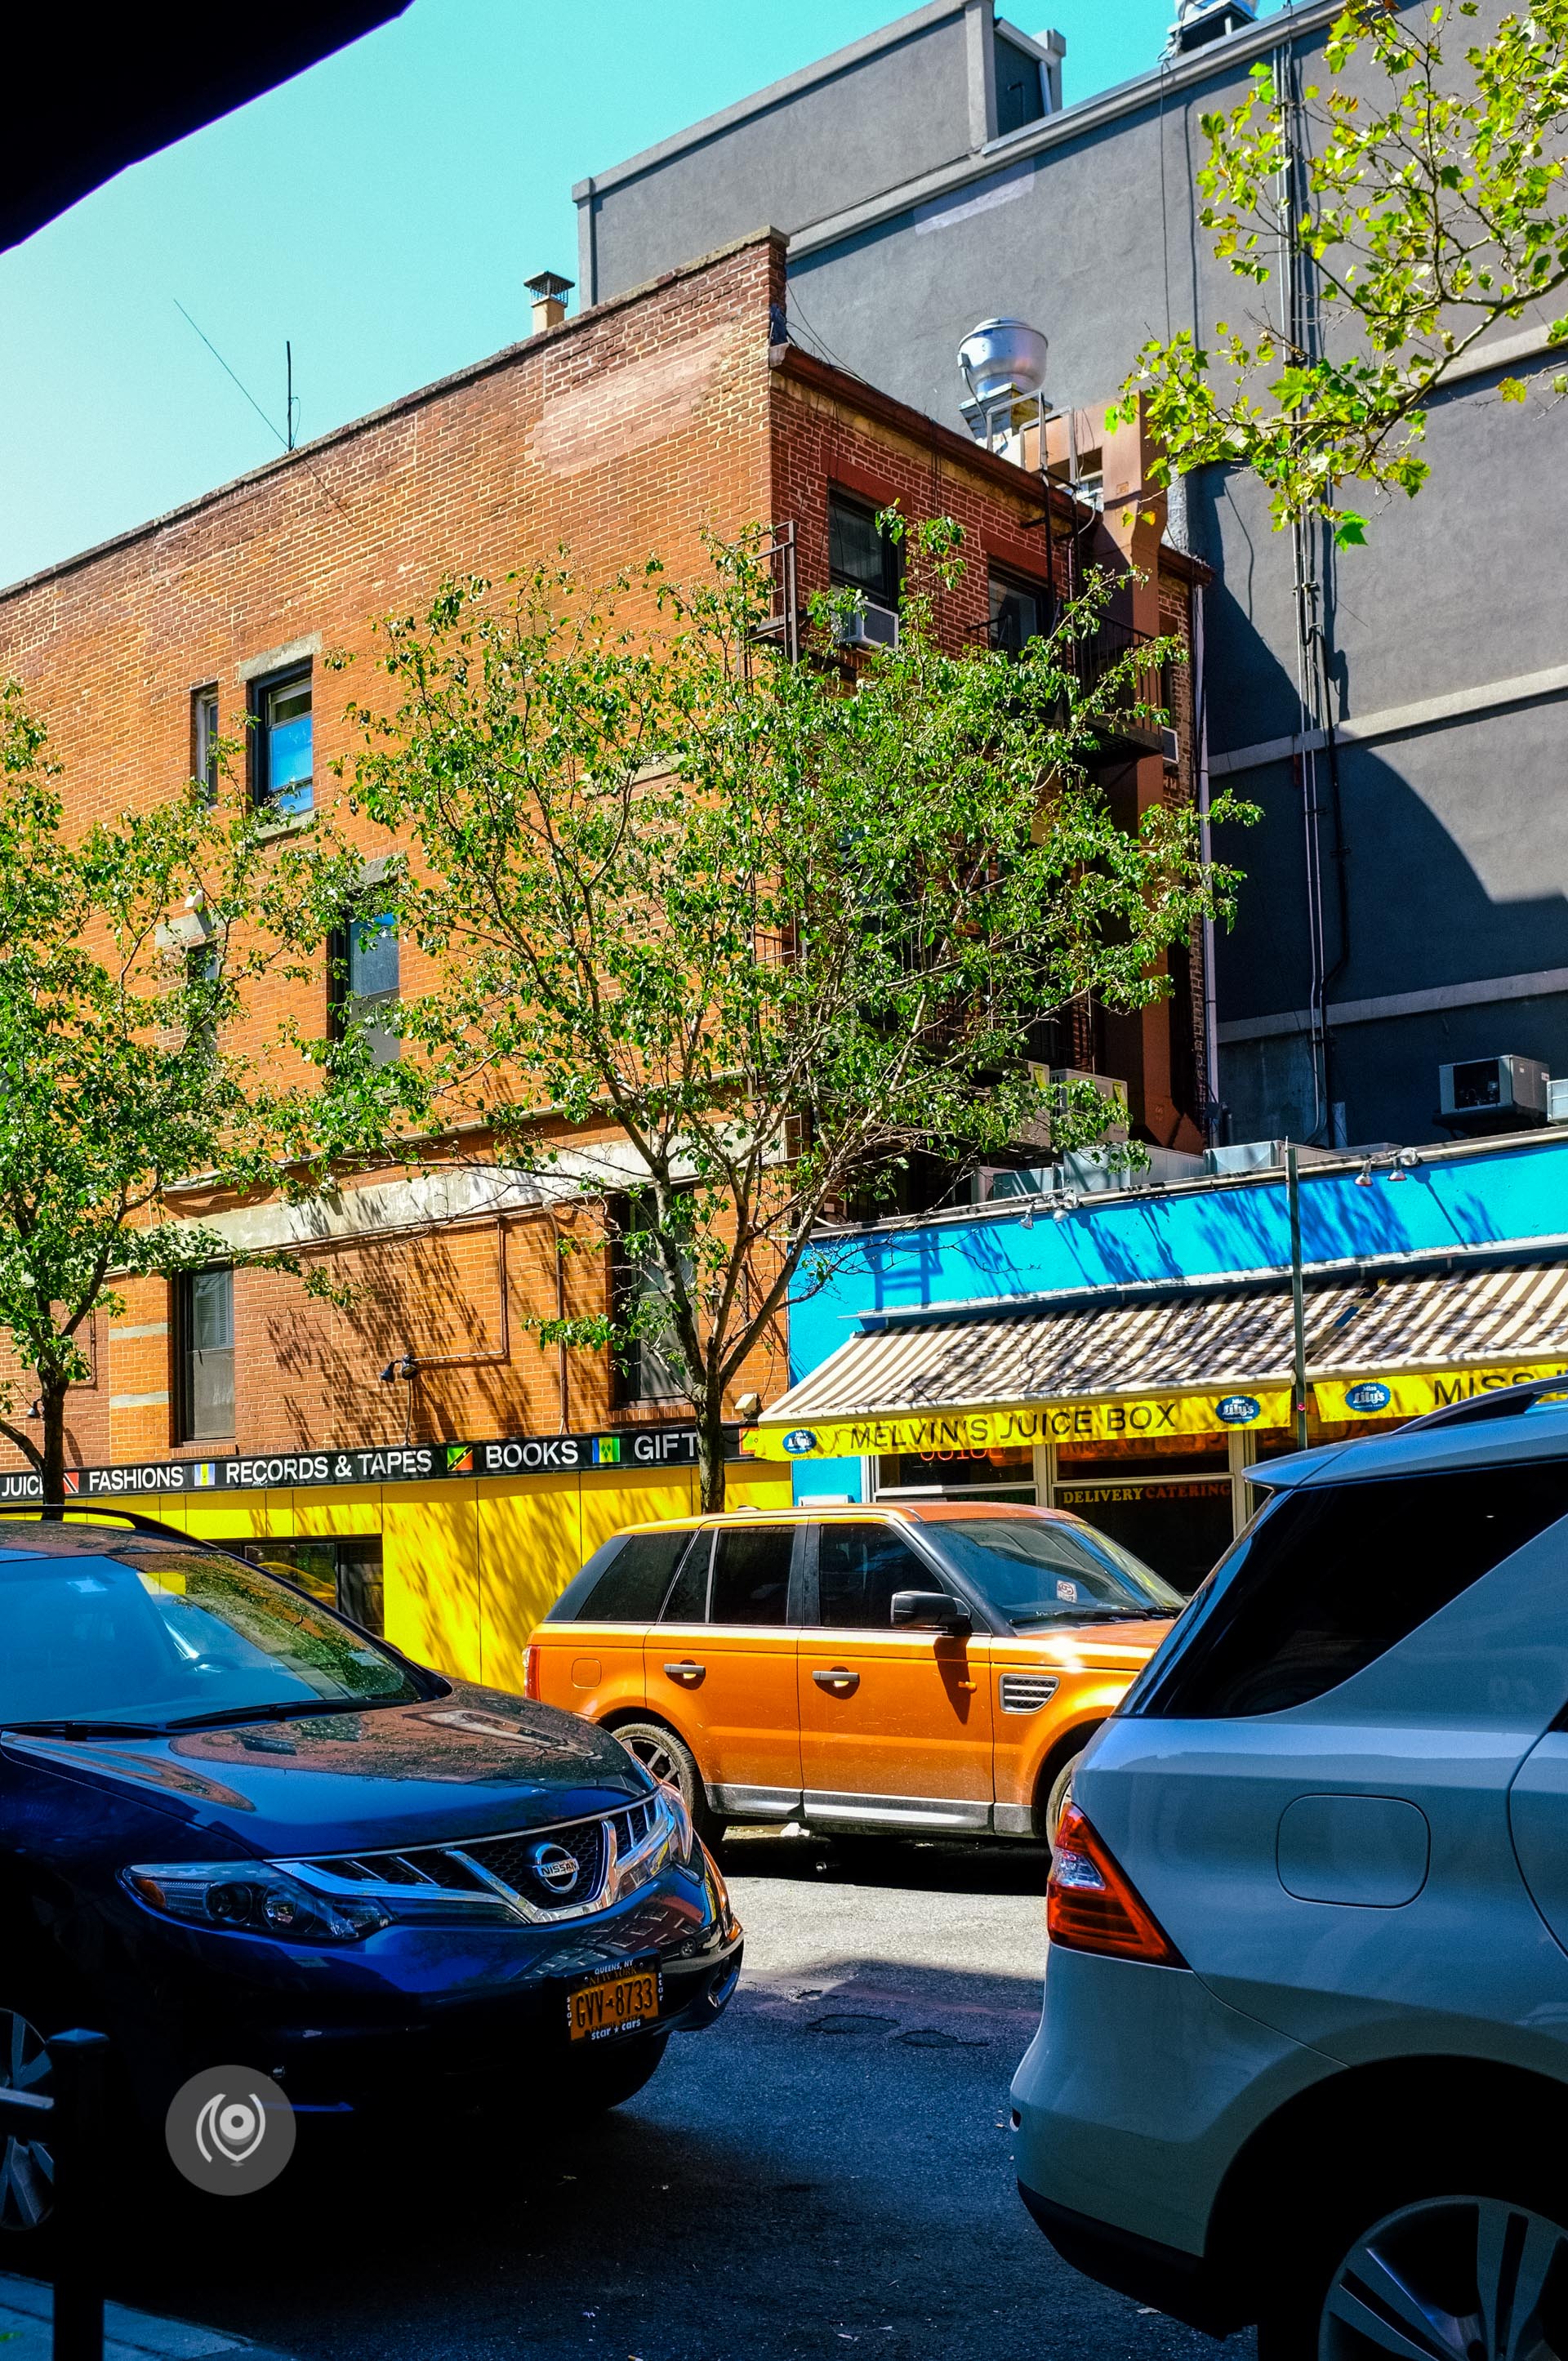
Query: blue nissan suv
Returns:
{"type": "Point", "coordinates": [236, 1829]}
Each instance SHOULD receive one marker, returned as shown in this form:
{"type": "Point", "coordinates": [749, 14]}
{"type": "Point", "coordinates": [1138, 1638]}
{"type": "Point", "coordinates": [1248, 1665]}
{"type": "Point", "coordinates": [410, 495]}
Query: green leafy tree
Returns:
{"type": "Point", "coordinates": [708, 930]}
{"type": "Point", "coordinates": [126, 948]}
{"type": "Point", "coordinates": [1388, 229]}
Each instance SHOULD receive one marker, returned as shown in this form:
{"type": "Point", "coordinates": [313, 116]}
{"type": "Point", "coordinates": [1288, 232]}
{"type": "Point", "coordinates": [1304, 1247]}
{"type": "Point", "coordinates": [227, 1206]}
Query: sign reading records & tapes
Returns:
{"type": "Point", "coordinates": [411, 1463]}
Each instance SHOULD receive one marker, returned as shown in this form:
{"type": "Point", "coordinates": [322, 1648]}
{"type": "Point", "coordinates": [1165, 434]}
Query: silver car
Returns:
{"type": "Point", "coordinates": [1303, 2059]}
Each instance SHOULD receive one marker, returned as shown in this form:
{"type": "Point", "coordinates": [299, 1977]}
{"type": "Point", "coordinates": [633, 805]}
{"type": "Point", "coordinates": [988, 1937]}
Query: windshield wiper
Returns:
{"type": "Point", "coordinates": [1095, 1615]}
{"type": "Point", "coordinates": [281, 1709]}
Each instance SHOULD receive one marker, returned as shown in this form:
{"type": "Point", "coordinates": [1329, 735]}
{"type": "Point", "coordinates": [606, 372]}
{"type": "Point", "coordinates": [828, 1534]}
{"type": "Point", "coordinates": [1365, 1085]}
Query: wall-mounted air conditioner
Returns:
{"type": "Point", "coordinates": [1114, 1094]}
{"type": "Point", "coordinates": [1507, 1091]}
{"type": "Point", "coordinates": [867, 626]}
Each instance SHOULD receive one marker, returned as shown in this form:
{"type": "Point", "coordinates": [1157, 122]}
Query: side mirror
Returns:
{"type": "Point", "coordinates": [931, 1611]}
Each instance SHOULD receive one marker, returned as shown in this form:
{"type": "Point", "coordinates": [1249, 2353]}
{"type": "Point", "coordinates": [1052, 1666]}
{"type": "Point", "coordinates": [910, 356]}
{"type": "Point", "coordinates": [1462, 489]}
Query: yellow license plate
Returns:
{"type": "Point", "coordinates": [613, 2005]}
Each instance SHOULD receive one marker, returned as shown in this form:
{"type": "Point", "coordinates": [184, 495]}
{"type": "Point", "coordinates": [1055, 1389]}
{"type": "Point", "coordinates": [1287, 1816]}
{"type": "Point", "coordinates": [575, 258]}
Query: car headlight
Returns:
{"type": "Point", "coordinates": [682, 1842]}
{"type": "Point", "coordinates": [253, 1897]}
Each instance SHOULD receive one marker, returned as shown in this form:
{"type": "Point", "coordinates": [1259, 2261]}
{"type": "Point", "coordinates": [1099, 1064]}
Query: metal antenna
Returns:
{"type": "Point", "coordinates": [288, 396]}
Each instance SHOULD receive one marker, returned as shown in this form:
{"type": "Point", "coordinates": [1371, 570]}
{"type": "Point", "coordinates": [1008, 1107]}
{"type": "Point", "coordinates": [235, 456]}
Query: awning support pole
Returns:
{"type": "Point", "coordinates": [1297, 1297]}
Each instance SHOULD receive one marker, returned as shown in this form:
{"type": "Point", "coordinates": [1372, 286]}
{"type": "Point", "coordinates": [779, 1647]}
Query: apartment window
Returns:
{"type": "Point", "coordinates": [1020, 92]}
{"type": "Point", "coordinates": [859, 556]}
{"type": "Point", "coordinates": [204, 1338]}
{"type": "Point", "coordinates": [363, 980]}
{"type": "Point", "coordinates": [1020, 611]}
{"type": "Point", "coordinates": [284, 747]}
{"type": "Point", "coordinates": [205, 741]}
{"type": "Point", "coordinates": [647, 1371]}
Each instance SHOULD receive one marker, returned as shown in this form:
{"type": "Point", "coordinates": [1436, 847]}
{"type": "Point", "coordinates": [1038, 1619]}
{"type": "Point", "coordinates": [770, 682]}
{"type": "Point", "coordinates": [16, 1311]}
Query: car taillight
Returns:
{"type": "Point", "coordinates": [531, 1671]}
{"type": "Point", "coordinates": [1092, 1906]}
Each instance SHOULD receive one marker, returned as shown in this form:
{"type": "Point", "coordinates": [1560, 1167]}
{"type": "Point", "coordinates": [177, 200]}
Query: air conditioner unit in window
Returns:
{"type": "Point", "coordinates": [1113, 1094]}
{"type": "Point", "coordinates": [1492, 1093]}
{"type": "Point", "coordinates": [868, 626]}
{"type": "Point", "coordinates": [1170, 747]}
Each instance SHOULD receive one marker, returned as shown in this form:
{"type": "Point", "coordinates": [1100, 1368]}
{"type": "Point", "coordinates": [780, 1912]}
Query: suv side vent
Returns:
{"type": "Point", "coordinates": [1026, 1692]}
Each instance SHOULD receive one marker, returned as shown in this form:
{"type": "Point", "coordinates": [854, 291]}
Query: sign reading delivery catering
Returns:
{"type": "Point", "coordinates": [408, 1463]}
{"type": "Point", "coordinates": [1018, 1426]}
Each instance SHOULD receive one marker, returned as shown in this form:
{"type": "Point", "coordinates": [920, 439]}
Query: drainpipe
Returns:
{"type": "Point", "coordinates": [1206, 848]}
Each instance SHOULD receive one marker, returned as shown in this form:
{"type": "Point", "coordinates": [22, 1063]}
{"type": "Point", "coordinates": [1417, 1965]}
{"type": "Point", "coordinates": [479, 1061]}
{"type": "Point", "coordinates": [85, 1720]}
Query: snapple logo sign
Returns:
{"type": "Point", "coordinates": [1238, 1409]}
{"type": "Point", "coordinates": [1368, 1396]}
{"type": "Point", "coordinates": [798, 1439]}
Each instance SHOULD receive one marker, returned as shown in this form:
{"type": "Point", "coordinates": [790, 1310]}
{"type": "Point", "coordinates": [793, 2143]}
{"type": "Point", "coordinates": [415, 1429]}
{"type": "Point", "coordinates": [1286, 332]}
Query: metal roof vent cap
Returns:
{"type": "Point", "coordinates": [1002, 358]}
{"type": "Point", "coordinates": [1199, 22]}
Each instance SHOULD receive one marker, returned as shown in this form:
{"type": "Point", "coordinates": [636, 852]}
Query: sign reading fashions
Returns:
{"type": "Point", "coordinates": [1017, 1426]}
{"type": "Point", "coordinates": [405, 1462]}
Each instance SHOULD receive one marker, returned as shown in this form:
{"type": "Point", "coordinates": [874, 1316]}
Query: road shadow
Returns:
{"type": "Point", "coordinates": [915, 1864]}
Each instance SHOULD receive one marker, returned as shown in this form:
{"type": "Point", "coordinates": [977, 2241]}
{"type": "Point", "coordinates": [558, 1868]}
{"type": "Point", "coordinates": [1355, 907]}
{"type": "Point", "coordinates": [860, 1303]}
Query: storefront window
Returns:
{"type": "Point", "coordinates": [998, 1475]}
{"type": "Point", "coordinates": [1181, 1525]}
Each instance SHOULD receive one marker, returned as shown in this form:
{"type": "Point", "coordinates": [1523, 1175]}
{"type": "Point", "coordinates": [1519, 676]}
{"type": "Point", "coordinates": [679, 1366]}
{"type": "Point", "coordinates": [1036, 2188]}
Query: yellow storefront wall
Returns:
{"type": "Point", "coordinates": [468, 1566]}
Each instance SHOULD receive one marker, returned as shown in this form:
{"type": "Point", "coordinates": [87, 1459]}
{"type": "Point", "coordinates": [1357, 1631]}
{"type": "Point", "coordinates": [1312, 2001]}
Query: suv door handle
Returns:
{"type": "Point", "coordinates": [840, 1680]}
{"type": "Point", "coordinates": [690, 1675]}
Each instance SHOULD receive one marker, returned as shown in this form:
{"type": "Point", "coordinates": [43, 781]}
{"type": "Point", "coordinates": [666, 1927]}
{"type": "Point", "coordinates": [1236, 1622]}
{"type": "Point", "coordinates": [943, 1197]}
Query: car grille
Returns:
{"type": "Point", "coordinates": [563, 1869]}
{"type": "Point", "coordinates": [1026, 1692]}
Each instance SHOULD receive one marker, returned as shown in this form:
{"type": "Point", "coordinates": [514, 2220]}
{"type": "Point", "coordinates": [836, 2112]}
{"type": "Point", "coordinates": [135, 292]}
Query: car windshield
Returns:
{"type": "Point", "coordinates": [1037, 1572]}
{"type": "Point", "coordinates": [125, 1629]}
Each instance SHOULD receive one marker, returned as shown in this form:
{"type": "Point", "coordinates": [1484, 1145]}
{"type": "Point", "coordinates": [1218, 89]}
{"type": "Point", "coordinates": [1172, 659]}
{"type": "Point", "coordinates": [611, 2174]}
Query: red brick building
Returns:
{"type": "Point", "coordinates": [632, 428]}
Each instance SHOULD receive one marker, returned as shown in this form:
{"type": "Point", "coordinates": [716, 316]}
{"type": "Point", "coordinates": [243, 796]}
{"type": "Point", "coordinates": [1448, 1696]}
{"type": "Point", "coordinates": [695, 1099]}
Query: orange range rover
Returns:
{"type": "Point", "coordinates": [931, 1669]}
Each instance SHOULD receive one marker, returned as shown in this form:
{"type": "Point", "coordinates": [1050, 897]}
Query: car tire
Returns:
{"type": "Point", "coordinates": [27, 2164]}
{"type": "Point", "coordinates": [669, 1760]}
{"type": "Point", "coordinates": [609, 2077]}
{"type": "Point", "coordinates": [1447, 2270]}
{"type": "Point", "coordinates": [1058, 1796]}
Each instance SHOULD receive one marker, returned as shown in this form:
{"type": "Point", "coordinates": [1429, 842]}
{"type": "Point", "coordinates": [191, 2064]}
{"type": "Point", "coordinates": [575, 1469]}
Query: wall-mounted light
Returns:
{"type": "Point", "coordinates": [405, 1367]}
{"type": "Point", "coordinates": [1405, 1163]}
{"type": "Point", "coordinates": [1364, 1177]}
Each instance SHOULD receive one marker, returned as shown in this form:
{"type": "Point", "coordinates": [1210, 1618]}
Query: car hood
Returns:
{"type": "Point", "coordinates": [1090, 1647]}
{"type": "Point", "coordinates": [474, 1762]}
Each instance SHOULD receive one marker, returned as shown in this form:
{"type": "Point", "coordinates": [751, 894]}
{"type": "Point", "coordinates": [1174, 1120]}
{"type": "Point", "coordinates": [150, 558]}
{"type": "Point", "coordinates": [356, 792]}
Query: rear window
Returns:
{"type": "Point", "coordinates": [624, 1581]}
{"type": "Point", "coordinates": [1329, 1579]}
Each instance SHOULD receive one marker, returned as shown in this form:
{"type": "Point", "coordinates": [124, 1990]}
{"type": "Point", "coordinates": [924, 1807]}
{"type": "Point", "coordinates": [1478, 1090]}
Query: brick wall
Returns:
{"type": "Point", "coordinates": [631, 429]}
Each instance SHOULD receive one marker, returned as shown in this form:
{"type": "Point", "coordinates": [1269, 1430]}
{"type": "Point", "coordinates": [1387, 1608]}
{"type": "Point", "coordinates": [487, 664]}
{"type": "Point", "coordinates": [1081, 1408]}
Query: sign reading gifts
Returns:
{"type": "Point", "coordinates": [1414, 1394]}
{"type": "Point", "coordinates": [1019, 1427]}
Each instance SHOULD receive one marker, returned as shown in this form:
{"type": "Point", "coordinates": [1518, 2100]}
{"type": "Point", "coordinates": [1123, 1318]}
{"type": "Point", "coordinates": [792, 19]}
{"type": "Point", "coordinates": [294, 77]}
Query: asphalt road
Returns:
{"type": "Point", "coordinates": [829, 2170]}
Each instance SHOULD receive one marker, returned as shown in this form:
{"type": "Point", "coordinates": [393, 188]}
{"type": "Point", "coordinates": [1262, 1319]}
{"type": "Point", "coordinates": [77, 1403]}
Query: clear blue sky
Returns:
{"type": "Point", "coordinates": [382, 213]}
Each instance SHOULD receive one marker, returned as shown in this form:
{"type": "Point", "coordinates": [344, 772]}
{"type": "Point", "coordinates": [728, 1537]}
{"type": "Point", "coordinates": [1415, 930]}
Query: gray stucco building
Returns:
{"type": "Point", "coordinates": [1407, 895]}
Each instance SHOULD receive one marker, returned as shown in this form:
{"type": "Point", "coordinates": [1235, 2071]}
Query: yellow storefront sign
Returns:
{"type": "Point", "coordinates": [1019, 1425]}
{"type": "Point", "coordinates": [1414, 1392]}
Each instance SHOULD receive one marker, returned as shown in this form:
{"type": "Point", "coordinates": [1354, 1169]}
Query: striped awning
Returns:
{"type": "Point", "coordinates": [1173, 1365]}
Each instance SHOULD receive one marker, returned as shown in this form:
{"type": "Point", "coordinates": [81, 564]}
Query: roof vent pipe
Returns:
{"type": "Point", "coordinates": [1199, 22]}
{"type": "Point", "coordinates": [549, 292]}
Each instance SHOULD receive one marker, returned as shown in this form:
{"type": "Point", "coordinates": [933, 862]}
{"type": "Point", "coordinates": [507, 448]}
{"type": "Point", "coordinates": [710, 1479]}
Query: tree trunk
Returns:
{"type": "Point", "coordinates": [710, 1448]}
{"type": "Point", "coordinates": [51, 1401]}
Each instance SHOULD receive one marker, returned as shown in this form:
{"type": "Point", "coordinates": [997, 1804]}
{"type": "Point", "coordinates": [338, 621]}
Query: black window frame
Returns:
{"type": "Point", "coordinates": [628, 1282]}
{"type": "Point", "coordinates": [267, 685]}
{"type": "Point", "coordinates": [357, 1595]}
{"type": "Point", "coordinates": [346, 1008]}
{"type": "Point", "coordinates": [184, 1389]}
{"type": "Point", "coordinates": [888, 592]}
{"type": "Point", "coordinates": [1010, 580]}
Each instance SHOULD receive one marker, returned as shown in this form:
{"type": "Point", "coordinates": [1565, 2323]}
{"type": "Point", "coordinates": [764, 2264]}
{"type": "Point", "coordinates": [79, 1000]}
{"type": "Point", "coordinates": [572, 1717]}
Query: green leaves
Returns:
{"type": "Point", "coordinates": [126, 953]}
{"type": "Point", "coordinates": [706, 926]}
{"type": "Point", "coordinates": [1429, 212]}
